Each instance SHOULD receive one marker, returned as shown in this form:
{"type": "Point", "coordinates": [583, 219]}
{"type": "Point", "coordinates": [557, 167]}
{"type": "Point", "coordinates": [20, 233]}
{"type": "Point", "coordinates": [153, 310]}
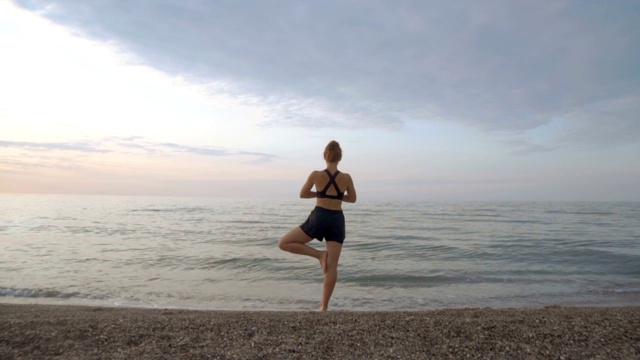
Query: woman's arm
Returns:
{"type": "Point", "coordinates": [350, 195]}
{"type": "Point", "coordinates": [306, 192]}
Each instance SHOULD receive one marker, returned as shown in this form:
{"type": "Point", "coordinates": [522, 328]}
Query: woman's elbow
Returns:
{"type": "Point", "coordinates": [307, 194]}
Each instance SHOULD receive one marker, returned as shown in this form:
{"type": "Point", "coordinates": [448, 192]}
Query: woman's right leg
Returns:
{"type": "Point", "coordinates": [295, 241]}
{"type": "Point", "coordinates": [334, 249]}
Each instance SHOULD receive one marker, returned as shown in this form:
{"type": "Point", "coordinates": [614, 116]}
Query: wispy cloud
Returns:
{"type": "Point", "coordinates": [208, 151]}
{"type": "Point", "coordinates": [82, 147]}
{"type": "Point", "coordinates": [525, 148]}
{"type": "Point", "coordinates": [193, 149]}
{"type": "Point", "coordinates": [116, 144]}
{"type": "Point", "coordinates": [605, 123]}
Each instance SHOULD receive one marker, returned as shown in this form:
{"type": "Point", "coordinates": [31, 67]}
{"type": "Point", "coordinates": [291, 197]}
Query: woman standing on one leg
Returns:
{"type": "Point", "coordinates": [326, 221]}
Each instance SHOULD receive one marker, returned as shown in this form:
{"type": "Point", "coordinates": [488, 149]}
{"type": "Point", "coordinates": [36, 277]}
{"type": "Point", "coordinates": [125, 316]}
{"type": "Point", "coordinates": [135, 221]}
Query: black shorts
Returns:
{"type": "Point", "coordinates": [325, 224]}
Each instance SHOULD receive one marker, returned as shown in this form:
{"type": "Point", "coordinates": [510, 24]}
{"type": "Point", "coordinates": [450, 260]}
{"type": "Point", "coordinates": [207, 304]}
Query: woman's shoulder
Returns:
{"type": "Point", "coordinates": [345, 174]}
{"type": "Point", "coordinates": [315, 174]}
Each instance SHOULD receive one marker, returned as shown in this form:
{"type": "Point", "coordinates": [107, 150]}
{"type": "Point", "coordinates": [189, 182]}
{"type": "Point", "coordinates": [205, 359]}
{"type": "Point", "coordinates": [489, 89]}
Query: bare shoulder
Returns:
{"type": "Point", "coordinates": [317, 175]}
{"type": "Point", "coordinates": [314, 174]}
{"type": "Point", "coordinates": [347, 176]}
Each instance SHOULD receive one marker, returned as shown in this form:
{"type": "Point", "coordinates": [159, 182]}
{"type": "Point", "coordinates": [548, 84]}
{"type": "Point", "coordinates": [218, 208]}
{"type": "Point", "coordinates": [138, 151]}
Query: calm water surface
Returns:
{"type": "Point", "coordinates": [222, 254]}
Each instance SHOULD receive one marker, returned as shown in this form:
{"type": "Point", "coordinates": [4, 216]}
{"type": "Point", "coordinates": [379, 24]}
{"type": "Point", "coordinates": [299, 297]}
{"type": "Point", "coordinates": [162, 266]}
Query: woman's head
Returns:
{"type": "Point", "coordinates": [333, 152]}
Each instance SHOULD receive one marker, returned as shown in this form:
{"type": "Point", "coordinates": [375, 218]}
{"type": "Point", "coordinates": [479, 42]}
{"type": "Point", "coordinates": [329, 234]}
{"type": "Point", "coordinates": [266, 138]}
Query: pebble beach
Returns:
{"type": "Point", "coordinates": [77, 332]}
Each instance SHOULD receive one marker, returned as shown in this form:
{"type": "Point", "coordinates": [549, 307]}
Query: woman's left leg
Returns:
{"type": "Point", "coordinates": [295, 241]}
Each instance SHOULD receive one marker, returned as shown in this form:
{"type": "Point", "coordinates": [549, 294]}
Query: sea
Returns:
{"type": "Point", "coordinates": [222, 254]}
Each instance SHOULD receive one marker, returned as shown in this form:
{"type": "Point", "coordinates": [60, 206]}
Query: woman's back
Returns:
{"type": "Point", "coordinates": [331, 187]}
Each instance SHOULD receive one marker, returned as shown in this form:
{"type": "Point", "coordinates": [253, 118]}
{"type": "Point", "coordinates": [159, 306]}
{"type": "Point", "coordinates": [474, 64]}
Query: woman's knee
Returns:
{"type": "Point", "coordinates": [287, 239]}
{"type": "Point", "coordinates": [333, 250]}
{"type": "Point", "coordinates": [282, 243]}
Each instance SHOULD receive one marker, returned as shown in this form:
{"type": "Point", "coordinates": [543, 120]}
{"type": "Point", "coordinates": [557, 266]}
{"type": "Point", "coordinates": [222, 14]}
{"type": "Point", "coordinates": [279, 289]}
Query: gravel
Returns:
{"type": "Point", "coordinates": [76, 332]}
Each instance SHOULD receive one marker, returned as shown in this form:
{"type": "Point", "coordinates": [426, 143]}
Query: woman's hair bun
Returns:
{"type": "Point", "coordinates": [333, 152]}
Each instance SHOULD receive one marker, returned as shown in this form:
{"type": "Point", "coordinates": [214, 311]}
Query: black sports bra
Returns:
{"type": "Point", "coordinates": [332, 181]}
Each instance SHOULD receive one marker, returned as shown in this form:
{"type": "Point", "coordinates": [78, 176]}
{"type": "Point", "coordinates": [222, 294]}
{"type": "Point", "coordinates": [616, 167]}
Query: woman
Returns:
{"type": "Point", "coordinates": [326, 221]}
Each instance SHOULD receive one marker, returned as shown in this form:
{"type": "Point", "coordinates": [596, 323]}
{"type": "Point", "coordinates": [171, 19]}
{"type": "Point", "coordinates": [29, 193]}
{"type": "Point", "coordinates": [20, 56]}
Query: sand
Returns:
{"type": "Point", "coordinates": [71, 332]}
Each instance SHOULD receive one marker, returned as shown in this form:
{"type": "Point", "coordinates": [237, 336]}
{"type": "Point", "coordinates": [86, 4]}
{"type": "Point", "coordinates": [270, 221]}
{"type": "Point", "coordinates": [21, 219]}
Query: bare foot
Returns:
{"type": "Point", "coordinates": [323, 261]}
{"type": "Point", "coordinates": [321, 309]}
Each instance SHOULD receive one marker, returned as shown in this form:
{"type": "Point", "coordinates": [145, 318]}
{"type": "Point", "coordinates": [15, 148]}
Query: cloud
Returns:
{"type": "Point", "coordinates": [527, 148]}
{"type": "Point", "coordinates": [494, 65]}
{"type": "Point", "coordinates": [82, 147]}
{"type": "Point", "coordinates": [605, 123]}
{"type": "Point", "coordinates": [259, 158]}
{"type": "Point", "coordinates": [116, 144]}
{"type": "Point", "coordinates": [208, 151]}
{"type": "Point", "coordinates": [194, 150]}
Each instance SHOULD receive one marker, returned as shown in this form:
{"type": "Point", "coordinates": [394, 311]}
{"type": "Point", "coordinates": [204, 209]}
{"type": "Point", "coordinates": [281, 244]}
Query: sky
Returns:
{"type": "Point", "coordinates": [430, 100]}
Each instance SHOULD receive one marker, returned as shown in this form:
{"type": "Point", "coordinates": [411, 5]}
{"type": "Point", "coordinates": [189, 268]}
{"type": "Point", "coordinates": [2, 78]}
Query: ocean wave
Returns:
{"type": "Point", "coordinates": [399, 281]}
{"type": "Point", "coordinates": [44, 293]}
